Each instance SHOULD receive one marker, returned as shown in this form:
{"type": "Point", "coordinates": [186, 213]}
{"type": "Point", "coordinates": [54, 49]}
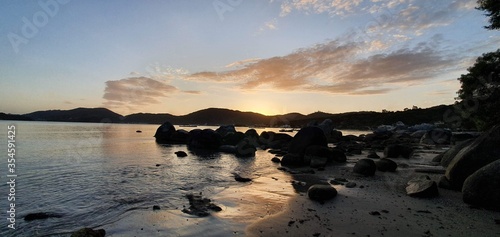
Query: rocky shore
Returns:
{"type": "Point", "coordinates": [396, 181]}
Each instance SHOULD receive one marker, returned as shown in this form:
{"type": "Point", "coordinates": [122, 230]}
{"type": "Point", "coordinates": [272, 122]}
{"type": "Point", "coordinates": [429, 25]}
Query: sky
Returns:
{"type": "Point", "coordinates": [266, 56]}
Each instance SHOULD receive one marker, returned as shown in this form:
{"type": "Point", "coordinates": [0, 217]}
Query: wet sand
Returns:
{"type": "Point", "coordinates": [271, 206]}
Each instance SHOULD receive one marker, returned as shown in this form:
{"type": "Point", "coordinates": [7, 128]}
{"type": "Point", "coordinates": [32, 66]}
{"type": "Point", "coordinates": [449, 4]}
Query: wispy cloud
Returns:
{"type": "Point", "coordinates": [332, 7]}
{"type": "Point", "coordinates": [136, 91]}
{"type": "Point", "coordinates": [338, 66]}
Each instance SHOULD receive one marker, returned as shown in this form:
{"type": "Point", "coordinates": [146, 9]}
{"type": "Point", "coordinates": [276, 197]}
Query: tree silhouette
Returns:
{"type": "Point", "coordinates": [492, 7]}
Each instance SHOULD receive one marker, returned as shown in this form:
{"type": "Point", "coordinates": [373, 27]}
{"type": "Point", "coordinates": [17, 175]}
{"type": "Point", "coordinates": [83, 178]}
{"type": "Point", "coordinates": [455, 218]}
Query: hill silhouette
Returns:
{"type": "Point", "coordinates": [220, 116]}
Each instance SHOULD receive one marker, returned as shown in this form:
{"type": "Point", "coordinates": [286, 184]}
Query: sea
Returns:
{"type": "Point", "coordinates": [94, 174]}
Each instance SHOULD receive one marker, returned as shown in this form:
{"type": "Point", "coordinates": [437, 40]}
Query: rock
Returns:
{"type": "Point", "coordinates": [350, 185]}
{"type": "Point", "coordinates": [164, 133]}
{"type": "Point", "coordinates": [335, 136]}
{"type": "Point", "coordinates": [321, 192]}
{"type": "Point", "coordinates": [457, 138]}
{"type": "Point", "coordinates": [252, 133]}
{"type": "Point", "coordinates": [41, 216]}
{"type": "Point", "coordinates": [436, 136]}
{"type": "Point", "coordinates": [306, 137]}
{"type": "Point", "coordinates": [373, 155]}
{"type": "Point", "coordinates": [224, 130]}
{"type": "Point", "coordinates": [232, 138]}
{"type": "Point", "coordinates": [276, 160]}
{"type": "Point", "coordinates": [444, 183]}
{"type": "Point", "coordinates": [482, 188]}
{"type": "Point", "coordinates": [181, 154]}
{"type": "Point", "coordinates": [291, 160]}
{"type": "Point", "coordinates": [365, 167]}
{"type": "Point", "coordinates": [204, 139]}
{"type": "Point", "coordinates": [484, 150]}
{"type": "Point", "coordinates": [88, 232]}
{"type": "Point", "coordinates": [274, 140]}
{"type": "Point", "coordinates": [317, 156]}
{"type": "Point", "coordinates": [422, 186]}
{"type": "Point", "coordinates": [200, 206]}
{"type": "Point", "coordinates": [398, 150]}
{"type": "Point", "coordinates": [385, 164]}
{"type": "Point", "coordinates": [228, 149]}
{"type": "Point", "coordinates": [453, 151]}
{"type": "Point", "coordinates": [327, 127]}
{"type": "Point", "coordinates": [374, 213]}
{"type": "Point", "coordinates": [138, 131]}
{"type": "Point", "coordinates": [338, 155]}
{"type": "Point", "coordinates": [238, 178]}
{"type": "Point", "coordinates": [245, 148]}
{"type": "Point", "coordinates": [156, 208]}
{"type": "Point", "coordinates": [438, 158]}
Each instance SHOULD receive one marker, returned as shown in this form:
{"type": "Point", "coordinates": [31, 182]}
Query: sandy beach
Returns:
{"type": "Point", "coordinates": [277, 205]}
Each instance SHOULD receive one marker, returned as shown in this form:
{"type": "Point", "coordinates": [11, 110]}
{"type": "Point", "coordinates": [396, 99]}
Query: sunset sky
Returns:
{"type": "Point", "coordinates": [267, 56]}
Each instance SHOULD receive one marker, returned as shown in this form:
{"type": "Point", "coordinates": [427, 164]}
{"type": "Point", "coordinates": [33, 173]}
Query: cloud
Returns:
{"type": "Point", "coordinates": [242, 62]}
{"type": "Point", "coordinates": [340, 67]}
{"type": "Point", "coordinates": [136, 91]}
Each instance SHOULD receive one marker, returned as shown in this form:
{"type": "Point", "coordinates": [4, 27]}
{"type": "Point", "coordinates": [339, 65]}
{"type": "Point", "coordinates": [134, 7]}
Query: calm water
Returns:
{"type": "Point", "coordinates": [93, 174]}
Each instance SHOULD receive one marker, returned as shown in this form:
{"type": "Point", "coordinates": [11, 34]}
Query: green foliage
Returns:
{"type": "Point", "coordinates": [492, 7]}
{"type": "Point", "coordinates": [480, 91]}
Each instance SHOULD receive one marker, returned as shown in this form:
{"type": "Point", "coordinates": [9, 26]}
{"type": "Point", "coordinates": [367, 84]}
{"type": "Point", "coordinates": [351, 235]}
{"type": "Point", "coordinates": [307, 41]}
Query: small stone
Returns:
{"type": "Point", "coordinates": [365, 167]}
{"type": "Point", "coordinates": [276, 160]}
{"type": "Point", "coordinates": [156, 207]}
{"type": "Point", "coordinates": [350, 185]}
{"type": "Point", "coordinates": [181, 154]}
{"type": "Point", "coordinates": [238, 178]}
{"type": "Point", "coordinates": [88, 232]}
{"type": "Point", "coordinates": [422, 186]}
{"type": "Point", "coordinates": [321, 192]}
{"type": "Point", "coordinates": [374, 213]}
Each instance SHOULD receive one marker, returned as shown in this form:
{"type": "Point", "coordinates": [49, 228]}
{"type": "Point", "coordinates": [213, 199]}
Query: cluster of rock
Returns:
{"type": "Point", "coordinates": [473, 167]}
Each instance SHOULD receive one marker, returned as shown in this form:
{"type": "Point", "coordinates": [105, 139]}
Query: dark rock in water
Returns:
{"type": "Point", "coordinates": [252, 133]}
{"type": "Point", "coordinates": [156, 207]}
{"type": "Point", "coordinates": [321, 192]}
{"type": "Point", "coordinates": [228, 149]}
{"type": "Point", "coordinates": [274, 140]}
{"type": "Point", "coordinates": [41, 215]}
{"type": "Point", "coordinates": [225, 130]}
{"type": "Point", "coordinates": [436, 136]}
{"type": "Point", "coordinates": [200, 206]}
{"type": "Point", "coordinates": [398, 150]}
{"type": "Point", "coordinates": [232, 138]}
{"type": "Point", "coordinates": [88, 232]}
{"type": "Point", "coordinates": [204, 139]}
{"type": "Point", "coordinates": [245, 148]}
{"type": "Point", "coordinates": [291, 160]}
{"type": "Point", "coordinates": [365, 167]}
{"type": "Point", "coordinates": [453, 151]}
{"type": "Point", "coordinates": [373, 155]}
{"type": "Point", "coordinates": [350, 185]}
{"type": "Point", "coordinates": [385, 164]}
{"type": "Point", "coordinates": [423, 187]}
{"type": "Point", "coordinates": [335, 136]}
{"type": "Point", "coordinates": [276, 160]}
{"type": "Point", "coordinates": [238, 178]}
{"type": "Point", "coordinates": [164, 133]}
{"type": "Point", "coordinates": [482, 188]}
{"type": "Point", "coordinates": [306, 137]}
{"type": "Point", "coordinates": [484, 150]}
{"type": "Point", "coordinates": [181, 154]}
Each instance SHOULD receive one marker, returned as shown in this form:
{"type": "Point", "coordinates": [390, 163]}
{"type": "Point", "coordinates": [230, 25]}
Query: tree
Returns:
{"type": "Point", "coordinates": [492, 7]}
{"type": "Point", "coordinates": [480, 91]}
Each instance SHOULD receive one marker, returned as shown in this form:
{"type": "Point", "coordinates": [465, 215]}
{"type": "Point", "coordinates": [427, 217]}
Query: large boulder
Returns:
{"type": "Point", "coordinates": [274, 140]}
{"type": "Point", "coordinates": [423, 187]}
{"type": "Point", "coordinates": [385, 164]}
{"type": "Point", "coordinates": [453, 151]}
{"type": "Point", "coordinates": [306, 137]}
{"type": "Point", "coordinates": [436, 136]}
{"type": "Point", "coordinates": [225, 130]}
{"type": "Point", "coordinates": [164, 132]}
{"type": "Point", "coordinates": [204, 139]}
{"type": "Point", "coordinates": [365, 167]}
{"type": "Point", "coordinates": [246, 148]}
{"type": "Point", "coordinates": [484, 150]}
{"type": "Point", "coordinates": [398, 150]}
{"type": "Point", "coordinates": [232, 138]}
{"type": "Point", "coordinates": [317, 156]}
{"type": "Point", "coordinates": [327, 127]}
{"type": "Point", "coordinates": [291, 160]}
{"type": "Point", "coordinates": [482, 188]}
{"type": "Point", "coordinates": [321, 192]}
{"type": "Point", "coordinates": [338, 155]}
